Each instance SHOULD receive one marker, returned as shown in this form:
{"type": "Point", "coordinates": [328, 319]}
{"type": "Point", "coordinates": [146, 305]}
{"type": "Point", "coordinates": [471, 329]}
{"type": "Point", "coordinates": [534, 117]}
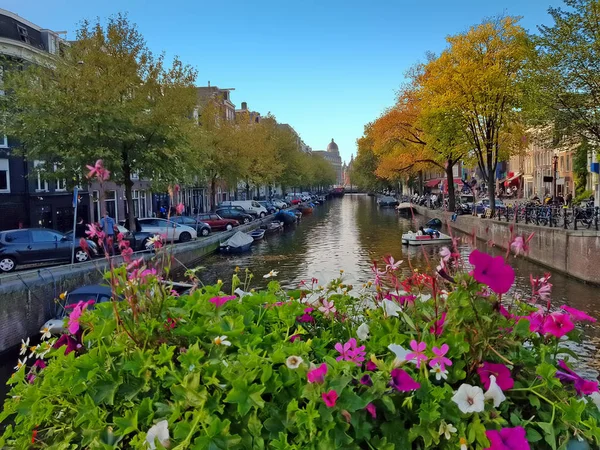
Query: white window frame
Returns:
{"type": "Point", "coordinates": [106, 200]}
{"type": "Point", "coordinates": [61, 185]}
{"type": "Point", "coordinates": [42, 185]}
{"type": "Point", "coordinates": [96, 200]}
{"type": "Point", "coordinates": [5, 167]}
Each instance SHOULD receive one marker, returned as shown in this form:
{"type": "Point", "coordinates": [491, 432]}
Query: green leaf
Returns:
{"type": "Point", "coordinates": [533, 435]}
{"type": "Point", "coordinates": [104, 391]}
{"type": "Point", "coordinates": [549, 435]}
{"type": "Point", "coordinates": [127, 424]}
{"type": "Point", "coordinates": [245, 396]}
{"type": "Point", "coordinates": [534, 401]}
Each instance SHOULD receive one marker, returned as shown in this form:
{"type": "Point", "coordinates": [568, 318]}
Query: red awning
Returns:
{"type": "Point", "coordinates": [433, 183]}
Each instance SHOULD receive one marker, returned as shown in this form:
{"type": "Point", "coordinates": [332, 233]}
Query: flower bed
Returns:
{"type": "Point", "coordinates": [446, 361]}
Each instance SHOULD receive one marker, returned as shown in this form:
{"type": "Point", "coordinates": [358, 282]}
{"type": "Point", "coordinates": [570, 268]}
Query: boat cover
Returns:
{"type": "Point", "coordinates": [239, 239]}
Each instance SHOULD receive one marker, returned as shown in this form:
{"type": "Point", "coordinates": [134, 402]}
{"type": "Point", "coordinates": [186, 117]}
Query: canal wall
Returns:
{"type": "Point", "coordinates": [27, 299]}
{"type": "Point", "coordinates": [575, 253]}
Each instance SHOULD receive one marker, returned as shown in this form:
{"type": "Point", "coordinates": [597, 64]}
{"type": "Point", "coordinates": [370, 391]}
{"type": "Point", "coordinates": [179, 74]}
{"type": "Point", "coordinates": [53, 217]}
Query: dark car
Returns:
{"type": "Point", "coordinates": [231, 212]}
{"type": "Point", "coordinates": [203, 229]}
{"type": "Point", "coordinates": [139, 241]}
{"type": "Point", "coordinates": [39, 245]}
{"type": "Point", "coordinates": [270, 207]}
{"type": "Point", "coordinates": [217, 222]}
{"type": "Point", "coordinates": [228, 205]}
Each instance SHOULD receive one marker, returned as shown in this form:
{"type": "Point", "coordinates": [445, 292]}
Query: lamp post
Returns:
{"type": "Point", "coordinates": [554, 178]}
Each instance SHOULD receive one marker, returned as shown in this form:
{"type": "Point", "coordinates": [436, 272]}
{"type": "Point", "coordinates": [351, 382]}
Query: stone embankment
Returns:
{"type": "Point", "coordinates": [27, 298]}
{"type": "Point", "coordinates": [573, 252]}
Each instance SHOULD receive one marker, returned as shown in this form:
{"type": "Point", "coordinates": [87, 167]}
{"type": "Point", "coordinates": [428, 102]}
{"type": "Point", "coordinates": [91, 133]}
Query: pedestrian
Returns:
{"type": "Point", "coordinates": [80, 228]}
{"type": "Point", "coordinates": [108, 226]}
{"type": "Point", "coordinates": [569, 200]}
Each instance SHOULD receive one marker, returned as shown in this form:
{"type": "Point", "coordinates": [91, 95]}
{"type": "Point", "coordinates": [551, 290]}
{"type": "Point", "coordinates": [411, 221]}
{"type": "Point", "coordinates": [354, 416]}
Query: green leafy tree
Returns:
{"type": "Point", "coordinates": [365, 164]}
{"type": "Point", "coordinates": [580, 166]}
{"type": "Point", "coordinates": [108, 98]}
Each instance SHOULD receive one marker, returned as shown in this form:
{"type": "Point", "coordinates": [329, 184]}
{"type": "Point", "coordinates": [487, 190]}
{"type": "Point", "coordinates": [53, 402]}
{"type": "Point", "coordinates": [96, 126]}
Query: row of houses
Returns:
{"type": "Point", "coordinates": [29, 200]}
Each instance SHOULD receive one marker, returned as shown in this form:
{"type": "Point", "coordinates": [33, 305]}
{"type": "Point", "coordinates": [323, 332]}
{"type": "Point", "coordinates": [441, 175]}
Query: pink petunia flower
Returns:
{"type": "Point", "coordinates": [327, 308]}
{"type": "Point", "coordinates": [440, 358]}
{"type": "Point", "coordinates": [500, 371]}
{"type": "Point", "coordinates": [402, 381]}
{"type": "Point", "coordinates": [577, 315]}
{"type": "Point", "coordinates": [372, 410]}
{"type": "Point", "coordinates": [317, 375]}
{"type": "Point", "coordinates": [581, 385]}
{"type": "Point", "coordinates": [306, 317]}
{"type": "Point", "coordinates": [371, 366]}
{"type": "Point", "coordinates": [557, 324]}
{"type": "Point", "coordinates": [507, 438]}
{"type": "Point", "coordinates": [418, 352]}
{"type": "Point", "coordinates": [350, 352]}
{"type": "Point", "coordinates": [492, 271]}
{"type": "Point", "coordinates": [330, 398]}
{"type": "Point", "coordinates": [220, 301]}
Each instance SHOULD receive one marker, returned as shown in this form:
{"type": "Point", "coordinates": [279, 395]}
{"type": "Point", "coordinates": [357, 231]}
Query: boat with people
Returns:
{"type": "Point", "coordinates": [238, 243]}
{"type": "Point", "coordinates": [425, 236]}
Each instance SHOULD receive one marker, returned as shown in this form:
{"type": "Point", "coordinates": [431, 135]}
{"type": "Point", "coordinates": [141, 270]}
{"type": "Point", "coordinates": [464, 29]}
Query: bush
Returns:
{"type": "Point", "coordinates": [585, 195]}
{"type": "Point", "coordinates": [445, 361]}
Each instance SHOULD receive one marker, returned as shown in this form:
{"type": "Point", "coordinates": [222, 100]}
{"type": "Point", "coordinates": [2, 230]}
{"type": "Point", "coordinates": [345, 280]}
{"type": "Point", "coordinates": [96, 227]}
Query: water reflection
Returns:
{"type": "Point", "coordinates": [349, 233]}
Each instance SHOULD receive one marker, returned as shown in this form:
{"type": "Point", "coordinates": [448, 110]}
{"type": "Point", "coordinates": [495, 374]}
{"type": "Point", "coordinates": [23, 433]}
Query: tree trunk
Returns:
{"type": "Point", "coordinates": [421, 182]}
{"type": "Point", "coordinates": [491, 182]}
{"type": "Point", "coordinates": [213, 193]}
{"type": "Point", "coordinates": [450, 181]}
{"type": "Point", "coordinates": [128, 192]}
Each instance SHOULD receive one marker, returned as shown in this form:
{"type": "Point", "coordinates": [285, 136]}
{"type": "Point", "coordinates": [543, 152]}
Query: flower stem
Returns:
{"type": "Point", "coordinates": [507, 361]}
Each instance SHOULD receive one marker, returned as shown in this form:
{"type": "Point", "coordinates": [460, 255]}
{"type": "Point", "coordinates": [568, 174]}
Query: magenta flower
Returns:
{"type": "Point", "coordinates": [390, 263]}
{"type": "Point", "coordinates": [577, 315]}
{"type": "Point", "coordinates": [330, 398]}
{"type": "Point", "coordinates": [306, 317]}
{"type": "Point", "coordinates": [366, 380]}
{"type": "Point", "coordinates": [180, 208]}
{"type": "Point", "coordinates": [536, 321]}
{"type": "Point", "coordinates": [507, 438]}
{"type": "Point", "coordinates": [521, 244]}
{"type": "Point", "coordinates": [220, 301]}
{"type": "Point", "coordinates": [40, 364]}
{"type": "Point", "coordinates": [582, 386]}
{"type": "Point", "coordinates": [78, 309]}
{"type": "Point", "coordinates": [500, 371]}
{"type": "Point", "coordinates": [541, 287]}
{"type": "Point", "coordinates": [418, 352]}
{"type": "Point", "coordinates": [71, 343]}
{"type": "Point", "coordinates": [402, 381]}
{"type": "Point", "coordinates": [438, 327]}
{"type": "Point", "coordinates": [371, 366]}
{"type": "Point", "coordinates": [349, 352]}
{"type": "Point", "coordinates": [98, 171]}
{"type": "Point", "coordinates": [440, 358]}
{"type": "Point", "coordinates": [557, 324]}
{"type": "Point", "coordinates": [371, 410]}
{"type": "Point", "coordinates": [317, 375]}
{"type": "Point", "coordinates": [492, 271]}
{"type": "Point", "coordinates": [295, 337]}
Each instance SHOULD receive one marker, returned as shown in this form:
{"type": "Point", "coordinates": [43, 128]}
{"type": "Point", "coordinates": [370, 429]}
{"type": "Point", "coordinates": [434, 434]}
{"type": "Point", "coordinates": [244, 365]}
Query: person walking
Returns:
{"type": "Point", "coordinates": [108, 225]}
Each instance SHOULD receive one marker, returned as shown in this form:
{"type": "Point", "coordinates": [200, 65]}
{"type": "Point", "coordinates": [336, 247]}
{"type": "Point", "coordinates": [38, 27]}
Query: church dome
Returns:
{"type": "Point", "coordinates": [332, 147]}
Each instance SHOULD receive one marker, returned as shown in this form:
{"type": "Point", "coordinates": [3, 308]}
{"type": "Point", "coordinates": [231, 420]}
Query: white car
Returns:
{"type": "Point", "coordinates": [279, 204]}
{"type": "Point", "coordinates": [169, 230]}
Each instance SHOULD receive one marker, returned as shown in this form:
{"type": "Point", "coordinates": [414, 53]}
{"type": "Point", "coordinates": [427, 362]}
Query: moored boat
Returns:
{"type": "Point", "coordinates": [438, 238]}
{"type": "Point", "coordinates": [257, 235]}
{"type": "Point", "coordinates": [238, 243]}
{"type": "Point", "coordinates": [305, 209]}
{"type": "Point", "coordinates": [274, 226]}
{"type": "Point", "coordinates": [287, 217]}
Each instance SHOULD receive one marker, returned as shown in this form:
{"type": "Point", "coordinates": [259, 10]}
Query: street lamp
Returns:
{"type": "Point", "coordinates": [554, 178]}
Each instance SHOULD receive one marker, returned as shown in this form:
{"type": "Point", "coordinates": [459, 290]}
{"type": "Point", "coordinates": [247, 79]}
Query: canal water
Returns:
{"type": "Point", "coordinates": [350, 232]}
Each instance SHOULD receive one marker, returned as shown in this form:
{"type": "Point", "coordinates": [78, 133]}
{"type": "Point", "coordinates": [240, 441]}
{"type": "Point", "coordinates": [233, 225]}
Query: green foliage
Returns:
{"type": "Point", "coordinates": [222, 376]}
{"type": "Point", "coordinates": [580, 169]}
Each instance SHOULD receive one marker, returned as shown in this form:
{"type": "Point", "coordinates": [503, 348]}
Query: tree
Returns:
{"type": "Point", "coordinates": [580, 166]}
{"type": "Point", "coordinates": [109, 98]}
{"type": "Point", "coordinates": [477, 80]}
{"type": "Point", "coordinates": [322, 172]}
{"type": "Point", "coordinates": [366, 163]}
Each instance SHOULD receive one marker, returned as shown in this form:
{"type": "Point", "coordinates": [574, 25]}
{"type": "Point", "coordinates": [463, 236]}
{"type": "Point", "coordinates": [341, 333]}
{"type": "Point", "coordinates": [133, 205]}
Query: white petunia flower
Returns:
{"type": "Point", "coordinates": [494, 392]}
{"type": "Point", "coordinates": [447, 429]}
{"type": "Point", "coordinates": [272, 273]}
{"type": "Point", "coordinates": [469, 398]}
{"type": "Point", "coordinates": [241, 294]}
{"type": "Point", "coordinates": [24, 346]}
{"type": "Point", "coordinates": [390, 308]}
{"type": "Point", "coordinates": [400, 353]}
{"type": "Point", "coordinates": [222, 340]}
{"type": "Point", "coordinates": [363, 332]}
{"type": "Point", "coordinates": [160, 431]}
{"type": "Point", "coordinates": [439, 373]}
{"type": "Point", "coordinates": [293, 362]}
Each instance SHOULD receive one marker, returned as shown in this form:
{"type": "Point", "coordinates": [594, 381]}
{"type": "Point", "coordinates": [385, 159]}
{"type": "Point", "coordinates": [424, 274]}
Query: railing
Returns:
{"type": "Point", "coordinates": [575, 218]}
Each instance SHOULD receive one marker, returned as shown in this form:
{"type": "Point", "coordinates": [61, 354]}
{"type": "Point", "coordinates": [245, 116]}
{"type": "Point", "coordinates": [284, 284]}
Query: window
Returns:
{"type": "Point", "coordinates": [23, 33]}
{"type": "Point", "coordinates": [4, 176]}
{"type": "Point", "coordinates": [17, 237]}
{"type": "Point", "coordinates": [42, 185]}
{"type": "Point", "coordinates": [45, 236]}
{"type": "Point", "coordinates": [61, 185]}
{"type": "Point", "coordinates": [96, 202]}
{"type": "Point", "coordinates": [569, 162]}
{"type": "Point", "coordinates": [562, 163]}
{"type": "Point", "coordinates": [110, 202]}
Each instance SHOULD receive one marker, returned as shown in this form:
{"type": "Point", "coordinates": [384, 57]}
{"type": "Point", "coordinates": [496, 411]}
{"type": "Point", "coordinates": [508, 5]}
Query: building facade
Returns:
{"type": "Point", "coordinates": [332, 155]}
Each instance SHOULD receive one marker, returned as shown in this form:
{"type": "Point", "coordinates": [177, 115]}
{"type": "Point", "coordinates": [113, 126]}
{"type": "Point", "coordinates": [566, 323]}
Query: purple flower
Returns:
{"type": "Point", "coordinates": [418, 352]}
{"type": "Point", "coordinates": [371, 366]}
{"type": "Point", "coordinates": [492, 271]}
{"type": "Point", "coordinates": [440, 358]}
{"type": "Point", "coordinates": [366, 380]}
{"type": "Point", "coordinates": [507, 439]}
{"type": "Point", "coordinates": [220, 301]}
{"type": "Point", "coordinates": [582, 386]}
{"type": "Point", "coordinates": [295, 337]}
{"type": "Point", "coordinates": [306, 317]}
{"type": "Point", "coordinates": [402, 381]}
{"type": "Point", "coordinates": [371, 410]}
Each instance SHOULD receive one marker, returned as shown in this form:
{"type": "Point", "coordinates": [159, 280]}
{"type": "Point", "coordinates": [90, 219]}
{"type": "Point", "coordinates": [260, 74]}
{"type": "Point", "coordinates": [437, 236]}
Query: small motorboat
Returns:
{"type": "Point", "coordinates": [432, 238]}
{"type": "Point", "coordinates": [274, 226]}
{"type": "Point", "coordinates": [387, 202]}
{"type": "Point", "coordinates": [305, 209]}
{"type": "Point", "coordinates": [238, 243]}
{"type": "Point", "coordinates": [287, 217]}
{"type": "Point", "coordinates": [257, 235]}
{"type": "Point", "coordinates": [405, 208]}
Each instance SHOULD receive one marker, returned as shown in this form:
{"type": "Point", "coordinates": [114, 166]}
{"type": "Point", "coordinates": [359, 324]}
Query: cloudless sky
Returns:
{"type": "Point", "coordinates": [325, 67]}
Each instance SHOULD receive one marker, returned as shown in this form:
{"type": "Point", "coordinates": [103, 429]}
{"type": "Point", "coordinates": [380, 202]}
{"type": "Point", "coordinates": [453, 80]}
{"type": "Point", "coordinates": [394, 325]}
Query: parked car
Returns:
{"type": "Point", "coordinates": [229, 212]}
{"type": "Point", "coordinates": [249, 206]}
{"type": "Point", "coordinates": [202, 228]}
{"type": "Point", "coordinates": [465, 204]}
{"type": "Point", "coordinates": [217, 222]}
{"type": "Point", "coordinates": [294, 199]}
{"type": "Point", "coordinates": [168, 229]}
{"type": "Point", "coordinates": [279, 203]}
{"type": "Point", "coordinates": [484, 204]}
{"type": "Point", "coordinates": [139, 241]}
{"type": "Point", "coordinates": [269, 206]}
{"type": "Point", "coordinates": [96, 292]}
{"type": "Point", "coordinates": [39, 245]}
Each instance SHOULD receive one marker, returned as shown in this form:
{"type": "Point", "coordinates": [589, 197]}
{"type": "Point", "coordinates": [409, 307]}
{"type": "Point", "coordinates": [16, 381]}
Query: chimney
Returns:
{"type": "Point", "coordinates": [244, 106]}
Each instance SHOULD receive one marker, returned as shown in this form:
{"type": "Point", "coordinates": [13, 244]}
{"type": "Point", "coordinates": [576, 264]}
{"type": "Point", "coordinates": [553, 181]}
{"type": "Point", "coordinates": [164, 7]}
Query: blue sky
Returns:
{"type": "Point", "coordinates": [325, 67]}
